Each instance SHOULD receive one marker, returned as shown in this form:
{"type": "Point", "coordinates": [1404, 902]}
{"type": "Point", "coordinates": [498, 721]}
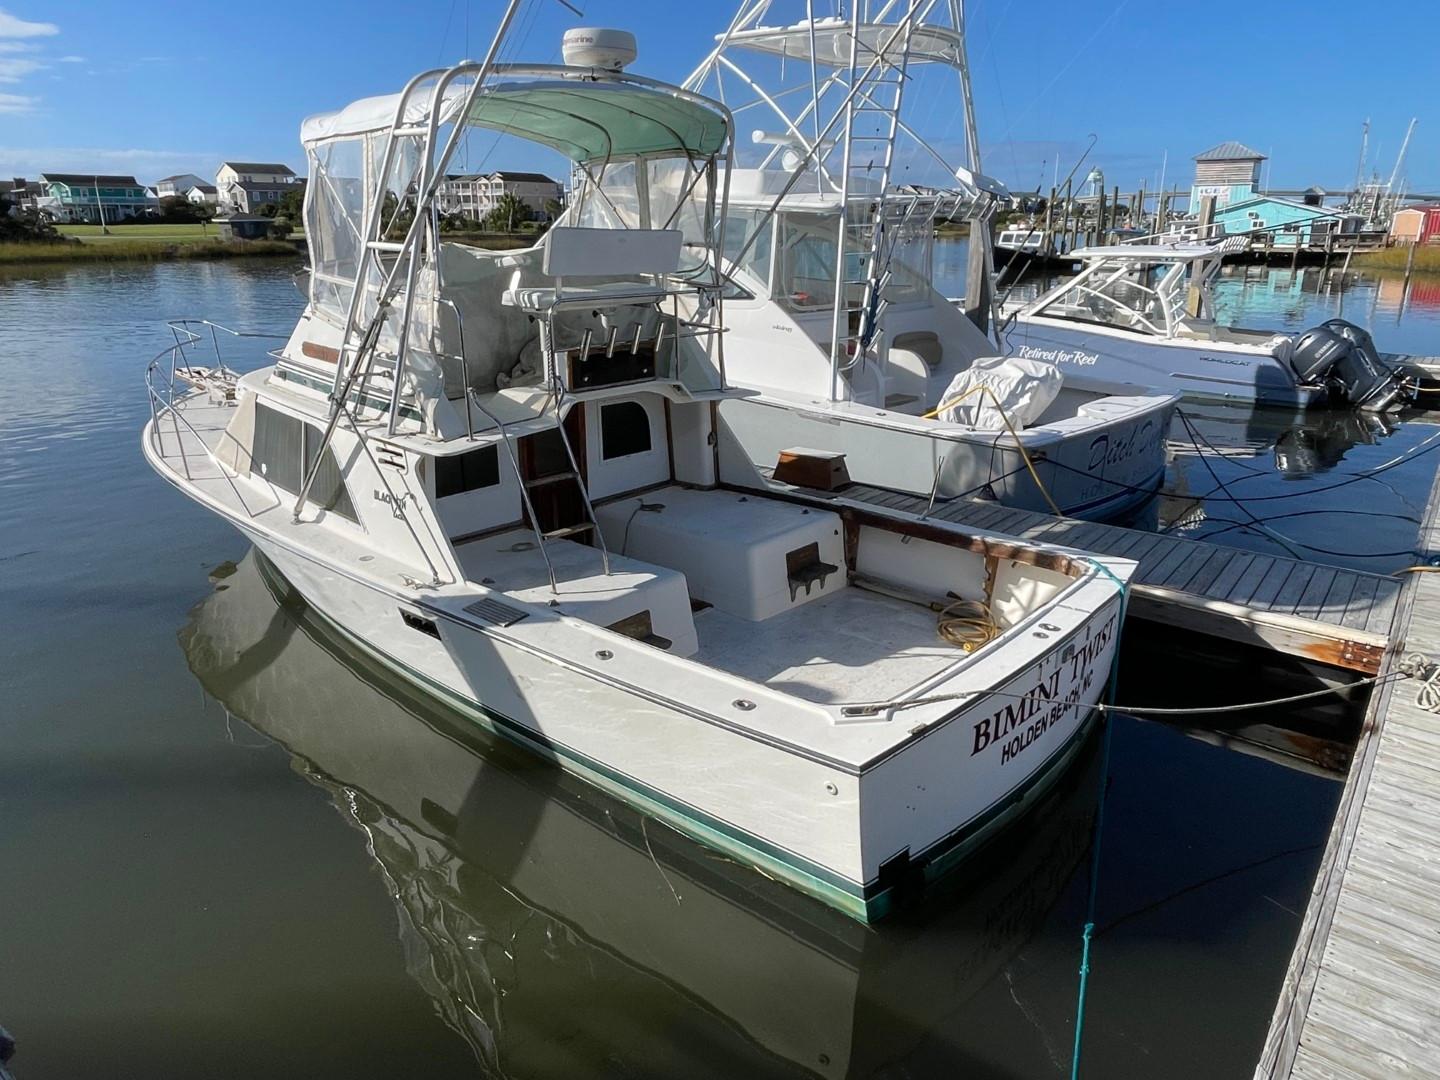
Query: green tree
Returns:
{"type": "Point", "coordinates": [177, 209]}
{"type": "Point", "coordinates": [268, 209]}
{"type": "Point", "coordinates": [553, 208]}
{"type": "Point", "coordinates": [509, 212]}
{"type": "Point", "coordinates": [292, 203]}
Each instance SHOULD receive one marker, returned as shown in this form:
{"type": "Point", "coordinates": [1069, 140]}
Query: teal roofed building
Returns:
{"type": "Point", "coordinates": [84, 197]}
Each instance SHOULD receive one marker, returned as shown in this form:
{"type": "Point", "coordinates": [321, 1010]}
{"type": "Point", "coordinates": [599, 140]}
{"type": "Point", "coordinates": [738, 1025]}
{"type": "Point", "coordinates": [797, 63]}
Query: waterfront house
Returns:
{"type": "Point", "coordinates": [177, 185]}
{"type": "Point", "coordinates": [1228, 173]}
{"type": "Point", "coordinates": [245, 186]}
{"type": "Point", "coordinates": [21, 194]}
{"type": "Point", "coordinates": [1416, 225]}
{"type": "Point", "coordinates": [475, 195]}
{"type": "Point", "coordinates": [203, 195]}
{"type": "Point", "coordinates": [1287, 218]}
{"type": "Point", "coordinates": [94, 198]}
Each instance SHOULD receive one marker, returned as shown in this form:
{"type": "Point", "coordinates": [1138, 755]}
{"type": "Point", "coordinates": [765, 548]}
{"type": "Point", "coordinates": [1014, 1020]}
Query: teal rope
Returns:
{"type": "Point", "coordinates": [1087, 935]}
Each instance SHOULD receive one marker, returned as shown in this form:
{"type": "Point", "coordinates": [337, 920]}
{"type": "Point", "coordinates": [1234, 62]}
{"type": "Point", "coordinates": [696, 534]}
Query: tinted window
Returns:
{"type": "Point", "coordinates": [624, 429]}
{"type": "Point", "coordinates": [470, 471]}
{"type": "Point", "coordinates": [284, 450]}
{"type": "Point", "coordinates": [276, 455]}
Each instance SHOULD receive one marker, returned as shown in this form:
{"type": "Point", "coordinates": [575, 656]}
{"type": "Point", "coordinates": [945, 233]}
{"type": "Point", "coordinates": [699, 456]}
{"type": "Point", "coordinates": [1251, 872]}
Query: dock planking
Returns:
{"type": "Point", "coordinates": [1361, 995]}
{"type": "Point", "coordinates": [1329, 614]}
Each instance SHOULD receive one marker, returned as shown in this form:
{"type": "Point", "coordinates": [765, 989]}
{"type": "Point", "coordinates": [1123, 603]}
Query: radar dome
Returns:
{"type": "Point", "coordinates": [594, 47]}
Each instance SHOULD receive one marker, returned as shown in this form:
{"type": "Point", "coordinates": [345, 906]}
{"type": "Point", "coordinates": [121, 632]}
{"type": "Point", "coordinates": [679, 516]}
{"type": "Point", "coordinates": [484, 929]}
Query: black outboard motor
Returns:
{"type": "Point", "coordinates": [1315, 352]}
{"type": "Point", "coordinates": [1343, 356]}
{"type": "Point", "coordinates": [1364, 378]}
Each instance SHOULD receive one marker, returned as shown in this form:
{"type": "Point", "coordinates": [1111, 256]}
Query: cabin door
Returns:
{"type": "Point", "coordinates": [550, 480]}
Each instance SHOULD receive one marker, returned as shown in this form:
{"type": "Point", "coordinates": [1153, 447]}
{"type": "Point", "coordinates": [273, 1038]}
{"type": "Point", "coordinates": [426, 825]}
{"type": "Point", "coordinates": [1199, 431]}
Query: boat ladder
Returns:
{"type": "Point", "coordinates": [590, 525]}
{"type": "Point", "coordinates": [872, 122]}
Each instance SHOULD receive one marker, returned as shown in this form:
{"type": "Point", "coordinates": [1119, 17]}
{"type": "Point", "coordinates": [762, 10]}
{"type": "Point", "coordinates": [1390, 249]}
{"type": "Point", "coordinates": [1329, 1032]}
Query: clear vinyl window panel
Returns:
{"type": "Point", "coordinates": [283, 452]}
{"type": "Point", "coordinates": [739, 225]}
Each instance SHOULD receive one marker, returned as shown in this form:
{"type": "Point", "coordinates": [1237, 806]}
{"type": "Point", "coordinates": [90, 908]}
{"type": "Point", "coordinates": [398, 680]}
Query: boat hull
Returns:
{"type": "Point", "coordinates": [1099, 470]}
{"type": "Point", "coordinates": [856, 830]}
{"type": "Point", "coordinates": [576, 724]}
{"type": "Point", "coordinates": [1200, 370]}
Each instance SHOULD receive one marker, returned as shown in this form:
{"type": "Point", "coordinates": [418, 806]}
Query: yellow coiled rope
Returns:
{"type": "Point", "coordinates": [968, 624]}
{"type": "Point", "coordinates": [1005, 417]}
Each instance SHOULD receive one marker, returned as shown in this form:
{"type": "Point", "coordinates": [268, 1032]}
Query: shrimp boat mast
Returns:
{"type": "Point", "coordinates": [833, 319]}
{"type": "Point", "coordinates": [498, 474]}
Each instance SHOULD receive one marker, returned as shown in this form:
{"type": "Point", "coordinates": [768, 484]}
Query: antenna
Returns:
{"type": "Point", "coordinates": [1364, 145]}
{"type": "Point", "coordinates": [1400, 158]}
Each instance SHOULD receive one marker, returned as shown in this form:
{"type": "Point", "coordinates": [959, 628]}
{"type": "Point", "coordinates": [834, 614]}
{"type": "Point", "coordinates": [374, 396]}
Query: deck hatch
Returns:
{"type": "Point", "coordinates": [494, 612]}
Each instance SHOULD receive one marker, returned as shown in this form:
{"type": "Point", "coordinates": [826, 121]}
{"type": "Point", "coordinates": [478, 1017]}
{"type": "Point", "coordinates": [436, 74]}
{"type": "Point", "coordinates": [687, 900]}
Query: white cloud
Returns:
{"type": "Point", "coordinates": [12, 71]}
{"type": "Point", "coordinates": [71, 60]}
{"type": "Point", "coordinates": [17, 46]}
{"type": "Point", "coordinates": [13, 104]}
{"type": "Point", "coordinates": [12, 27]}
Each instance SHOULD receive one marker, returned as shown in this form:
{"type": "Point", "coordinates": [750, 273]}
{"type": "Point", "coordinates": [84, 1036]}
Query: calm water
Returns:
{"type": "Point", "coordinates": [232, 849]}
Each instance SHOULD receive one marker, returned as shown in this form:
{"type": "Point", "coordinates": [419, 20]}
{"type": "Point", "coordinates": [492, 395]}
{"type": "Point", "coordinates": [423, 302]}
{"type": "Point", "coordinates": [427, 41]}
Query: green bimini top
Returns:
{"type": "Point", "coordinates": [586, 120]}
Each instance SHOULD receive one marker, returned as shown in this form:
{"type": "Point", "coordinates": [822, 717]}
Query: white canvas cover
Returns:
{"type": "Point", "coordinates": [1022, 388]}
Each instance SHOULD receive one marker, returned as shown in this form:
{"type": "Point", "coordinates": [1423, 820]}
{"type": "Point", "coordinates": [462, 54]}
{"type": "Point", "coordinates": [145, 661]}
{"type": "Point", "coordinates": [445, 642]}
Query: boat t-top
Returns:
{"type": "Point", "coordinates": [833, 319]}
{"type": "Point", "coordinates": [1145, 312]}
{"type": "Point", "coordinates": [498, 474]}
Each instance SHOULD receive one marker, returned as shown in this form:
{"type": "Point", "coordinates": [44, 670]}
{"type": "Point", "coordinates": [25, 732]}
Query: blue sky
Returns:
{"type": "Point", "coordinates": [173, 87]}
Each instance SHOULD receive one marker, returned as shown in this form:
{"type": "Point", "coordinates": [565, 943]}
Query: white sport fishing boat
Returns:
{"type": "Point", "coordinates": [479, 849]}
{"type": "Point", "coordinates": [860, 354]}
{"type": "Point", "coordinates": [1145, 312]}
{"type": "Point", "coordinates": [497, 473]}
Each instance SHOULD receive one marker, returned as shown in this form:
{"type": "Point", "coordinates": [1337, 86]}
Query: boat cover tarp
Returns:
{"type": "Point", "coordinates": [1022, 388]}
{"type": "Point", "coordinates": [583, 120]}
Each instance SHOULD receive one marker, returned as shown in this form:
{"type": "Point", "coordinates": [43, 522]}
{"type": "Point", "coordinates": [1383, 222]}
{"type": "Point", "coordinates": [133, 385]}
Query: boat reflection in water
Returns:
{"type": "Point", "coordinates": [561, 933]}
{"type": "Point", "coordinates": [1318, 446]}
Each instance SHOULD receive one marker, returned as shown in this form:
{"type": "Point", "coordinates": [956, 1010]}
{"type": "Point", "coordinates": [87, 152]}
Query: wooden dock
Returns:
{"type": "Point", "coordinates": [1323, 613]}
{"type": "Point", "coordinates": [1361, 997]}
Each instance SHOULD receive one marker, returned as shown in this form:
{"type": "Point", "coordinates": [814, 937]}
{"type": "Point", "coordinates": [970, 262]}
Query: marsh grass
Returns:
{"type": "Point", "coordinates": [1427, 259]}
{"type": "Point", "coordinates": [120, 249]}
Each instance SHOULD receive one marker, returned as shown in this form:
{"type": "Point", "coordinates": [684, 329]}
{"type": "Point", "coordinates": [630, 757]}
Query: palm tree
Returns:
{"type": "Point", "coordinates": [508, 213]}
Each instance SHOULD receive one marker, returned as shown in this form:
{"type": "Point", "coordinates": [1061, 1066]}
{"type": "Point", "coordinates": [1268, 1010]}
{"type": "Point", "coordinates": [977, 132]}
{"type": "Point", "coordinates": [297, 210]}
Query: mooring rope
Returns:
{"type": "Point", "coordinates": [1087, 934]}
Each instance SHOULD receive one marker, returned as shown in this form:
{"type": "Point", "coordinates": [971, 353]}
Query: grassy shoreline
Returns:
{"type": "Point", "coordinates": [1427, 259]}
{"type": "Point", "coordinates": [121, 249]}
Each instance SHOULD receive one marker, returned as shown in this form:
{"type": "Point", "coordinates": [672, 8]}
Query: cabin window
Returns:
{"type": "Point", "coordinates": [739, 225]}
{"type": "Point", "coordinates": [277, 450]}
{"type": "Point", "coordinates": [285, 449]}
{"type": "Point", "coordinates": [624, 429]}
{"type": "Point", "coordinates": [456, 474]}
{"type": "Point", "coordinates": [807, 262]}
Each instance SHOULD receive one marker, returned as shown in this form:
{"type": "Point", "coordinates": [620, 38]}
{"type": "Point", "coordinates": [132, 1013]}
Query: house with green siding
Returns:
{"type": "Point", "coordinates": [94, 198]}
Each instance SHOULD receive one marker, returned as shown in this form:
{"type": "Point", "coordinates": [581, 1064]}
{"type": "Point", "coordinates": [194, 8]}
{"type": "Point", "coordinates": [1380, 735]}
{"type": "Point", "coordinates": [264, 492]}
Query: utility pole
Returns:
{"type": "Point", "coordinates": [100, 208]}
